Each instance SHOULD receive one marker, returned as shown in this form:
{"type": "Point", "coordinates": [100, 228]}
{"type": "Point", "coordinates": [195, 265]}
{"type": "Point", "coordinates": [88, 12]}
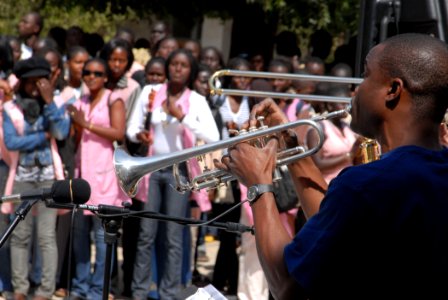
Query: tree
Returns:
{"type": "Point", "coordinates": [103, 16]}
{"type": "Point", "coordinates": [65, 13]}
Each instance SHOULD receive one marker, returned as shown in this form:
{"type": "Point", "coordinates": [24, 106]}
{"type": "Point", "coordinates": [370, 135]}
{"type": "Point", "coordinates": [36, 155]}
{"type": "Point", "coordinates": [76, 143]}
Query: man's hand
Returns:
{"type": "Point", "coordinates": [249, 164]}
{"type": "Point", "coordinates": [272, 114]}
{"type": "Point", "coordinates": [45, 90]}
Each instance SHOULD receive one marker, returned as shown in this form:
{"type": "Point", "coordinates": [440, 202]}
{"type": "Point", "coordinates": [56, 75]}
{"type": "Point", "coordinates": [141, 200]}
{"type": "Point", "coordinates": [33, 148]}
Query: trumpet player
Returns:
{"type": "Point", "coordinates": [379, 230]}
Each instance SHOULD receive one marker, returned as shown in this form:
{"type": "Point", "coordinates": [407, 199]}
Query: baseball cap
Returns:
{"type": "Point", "coordinates": [32, 67]}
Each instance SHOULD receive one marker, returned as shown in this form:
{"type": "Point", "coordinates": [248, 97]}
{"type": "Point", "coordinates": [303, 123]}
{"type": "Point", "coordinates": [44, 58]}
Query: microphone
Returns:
{"type": "Point", "coordinates": [70, 191]}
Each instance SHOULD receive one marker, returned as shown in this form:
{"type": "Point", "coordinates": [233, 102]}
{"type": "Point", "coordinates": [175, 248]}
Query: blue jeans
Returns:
{"type": "Point", "coordinates": [84, 283]}
{"type": "Point", "coordinates": [164, 199]}
{"type": "Point", "coordinates": [5, 263]}
{"type": "Point", "coordinates": [5, 259]}
{"type": "Point", "coordinates": [46, 236]}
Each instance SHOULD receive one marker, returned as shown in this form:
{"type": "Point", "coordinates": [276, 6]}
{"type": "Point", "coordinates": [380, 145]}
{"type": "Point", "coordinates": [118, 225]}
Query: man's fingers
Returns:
{"type": "Point", "coordinates": [272, 144]}
{"type": "Point", "coordinates": [261, 108]}
{"type": "Point", "coordinates": [222, 165]}
{"type": "Point", "coordinates": [245, 125]}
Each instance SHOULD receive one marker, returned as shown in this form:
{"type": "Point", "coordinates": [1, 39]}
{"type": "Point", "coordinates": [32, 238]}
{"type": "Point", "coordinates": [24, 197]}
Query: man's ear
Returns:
{"type": "Point", "coordinates": [394, 92]}
{"type": "Point", "coordinates": [396, 87]}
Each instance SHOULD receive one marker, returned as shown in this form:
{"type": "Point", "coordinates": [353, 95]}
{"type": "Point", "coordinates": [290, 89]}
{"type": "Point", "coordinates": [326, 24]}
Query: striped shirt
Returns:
{"type": "Point", "coordinates": [241, 116]}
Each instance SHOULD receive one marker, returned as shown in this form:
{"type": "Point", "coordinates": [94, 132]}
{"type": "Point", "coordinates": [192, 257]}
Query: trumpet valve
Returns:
{"type": "Point", "coordinates": [233, 132]}
{"type": "Point", "coordinates": [200, 158]}
{"type": "Point", "coordinates": [277, 175]}
{"type": "Point", "coordinates": [260, 120]}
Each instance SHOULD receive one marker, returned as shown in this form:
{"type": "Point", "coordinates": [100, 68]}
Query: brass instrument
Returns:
{"type": "Point", "coordinates": [368, 151]}
{"type": "Point", "coordinates": [130, 170]}
{"type": "Point", "coordinates": [219, 91]}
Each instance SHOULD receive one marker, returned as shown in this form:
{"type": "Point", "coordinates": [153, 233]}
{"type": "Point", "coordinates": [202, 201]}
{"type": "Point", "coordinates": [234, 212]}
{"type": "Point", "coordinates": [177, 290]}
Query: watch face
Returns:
{"type": "Point", "coordinates": [252, 193]}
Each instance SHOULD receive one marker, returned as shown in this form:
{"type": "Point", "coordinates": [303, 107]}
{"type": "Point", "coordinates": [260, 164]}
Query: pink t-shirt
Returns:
{"type": "Point", "coordinates": [336, 143]}
{"type": "Point", "coordinates": [125, 92]}
{"type": "Point", "coordinates": [94, 159]}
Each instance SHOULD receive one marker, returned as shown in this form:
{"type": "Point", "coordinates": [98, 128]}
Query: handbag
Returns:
{"type": "Point", "coordinates": [285, 193]}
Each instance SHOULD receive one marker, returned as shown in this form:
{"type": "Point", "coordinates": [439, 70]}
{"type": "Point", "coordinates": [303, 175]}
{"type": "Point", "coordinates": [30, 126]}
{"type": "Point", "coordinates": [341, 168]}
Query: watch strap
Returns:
{"type": "Point", "coordinates": [261, 189]}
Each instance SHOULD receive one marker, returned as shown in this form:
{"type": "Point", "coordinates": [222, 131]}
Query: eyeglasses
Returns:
{"type": "Point", "coordinates": [95, 73]}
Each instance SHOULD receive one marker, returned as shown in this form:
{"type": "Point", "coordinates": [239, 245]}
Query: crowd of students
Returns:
{"type": "Point", "coordinates": [65, 102]}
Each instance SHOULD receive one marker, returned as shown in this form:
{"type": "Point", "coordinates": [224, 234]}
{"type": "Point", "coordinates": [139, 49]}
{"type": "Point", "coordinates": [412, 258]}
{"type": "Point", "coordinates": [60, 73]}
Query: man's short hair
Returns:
{"type": "Point", "coordinates": [421, 61]}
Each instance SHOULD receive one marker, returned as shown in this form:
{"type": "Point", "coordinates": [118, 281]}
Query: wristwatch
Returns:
{"type": "Point", "coordinates": [255, 191]}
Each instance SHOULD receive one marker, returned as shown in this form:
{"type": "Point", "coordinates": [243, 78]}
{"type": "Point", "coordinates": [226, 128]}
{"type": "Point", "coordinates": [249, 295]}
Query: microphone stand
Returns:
{"type": "Point", "coordinates": [112, 218]}
{"type": "Point", "coordinates": [111, 234]}
{"type": "Point", "coordinates": [20, 213]}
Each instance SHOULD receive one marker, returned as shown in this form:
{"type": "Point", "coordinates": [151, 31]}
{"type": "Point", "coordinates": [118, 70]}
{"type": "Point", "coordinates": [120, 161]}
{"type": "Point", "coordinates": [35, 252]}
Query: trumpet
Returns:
{"type": "Point", "coordinates": [130, 170]}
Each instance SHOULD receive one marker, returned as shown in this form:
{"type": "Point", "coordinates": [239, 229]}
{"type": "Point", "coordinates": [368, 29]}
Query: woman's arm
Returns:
{"type": "Point", "coordinates": [15, 142]}
{"type": "Point", "coordinates": [116, 130]}
{"type": "Point", "coordinates": [137, 115]}
{"type": "Point", "coordinates": [200, 120]}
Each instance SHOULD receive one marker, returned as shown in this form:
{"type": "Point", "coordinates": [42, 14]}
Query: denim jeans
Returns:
{"type": "Point", "coordinates": [5, 269]}
{"type": "Point", "coordinates": [164, 199]}
{"type": "Point", "coordinates": [5, 260]}
{"type": "Point", "coordinates": [20, 241]}
{"type": "Point", "coordinates": [84, 282]}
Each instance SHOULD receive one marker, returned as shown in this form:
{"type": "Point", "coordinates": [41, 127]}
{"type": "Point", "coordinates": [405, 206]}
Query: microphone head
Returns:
{"type": "Point", "coordinates": [75, 191]}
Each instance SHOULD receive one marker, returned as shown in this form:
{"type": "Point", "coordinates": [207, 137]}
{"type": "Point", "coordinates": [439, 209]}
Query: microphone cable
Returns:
{"type": "Point", "coordinates": [229, 226]}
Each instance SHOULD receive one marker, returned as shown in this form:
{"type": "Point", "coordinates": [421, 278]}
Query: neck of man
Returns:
{"type": "Point", "coordinates": [31, 40]}
{"type": "Point", "coordinates": [419, 133]}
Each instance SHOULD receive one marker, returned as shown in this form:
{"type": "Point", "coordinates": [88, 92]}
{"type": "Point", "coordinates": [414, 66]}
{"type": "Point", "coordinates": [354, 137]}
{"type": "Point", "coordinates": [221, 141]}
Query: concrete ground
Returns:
{"type": "Point", "coordinates": [205, 268]}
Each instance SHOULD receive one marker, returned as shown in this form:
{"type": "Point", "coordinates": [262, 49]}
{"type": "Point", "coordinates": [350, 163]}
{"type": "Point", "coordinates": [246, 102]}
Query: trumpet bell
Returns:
{"type": "Point", "coordinates": [130, 169]}
{"type": "Point", "coordinates": [125, 170]}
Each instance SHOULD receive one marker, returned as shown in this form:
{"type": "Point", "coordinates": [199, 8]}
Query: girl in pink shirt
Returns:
{"type": "Point", "coordinates": [99, 123]}
{"type": "Point", "coordinates": [336, 152]}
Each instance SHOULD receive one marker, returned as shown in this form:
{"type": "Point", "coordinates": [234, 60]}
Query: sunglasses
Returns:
{"type": "Point", "coordinates": [95, 73]}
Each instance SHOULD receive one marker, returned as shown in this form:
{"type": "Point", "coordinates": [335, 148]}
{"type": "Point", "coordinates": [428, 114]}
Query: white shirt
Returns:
{"type": "Point", "coordinates": [239, 118]}
{"type": "Point", "coordinates": [27, 51]}
{"type": "Point", "coordinates": [167, 129]}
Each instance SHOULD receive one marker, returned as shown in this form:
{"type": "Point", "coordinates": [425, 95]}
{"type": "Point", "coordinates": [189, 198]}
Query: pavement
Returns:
{"type": "Point", "coordinates": [204, 267]}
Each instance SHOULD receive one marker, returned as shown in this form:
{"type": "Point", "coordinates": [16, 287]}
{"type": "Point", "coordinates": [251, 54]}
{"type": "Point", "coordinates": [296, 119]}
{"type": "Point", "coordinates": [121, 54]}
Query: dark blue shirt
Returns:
{"type": "Point", "coordinates": [381, 231]}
